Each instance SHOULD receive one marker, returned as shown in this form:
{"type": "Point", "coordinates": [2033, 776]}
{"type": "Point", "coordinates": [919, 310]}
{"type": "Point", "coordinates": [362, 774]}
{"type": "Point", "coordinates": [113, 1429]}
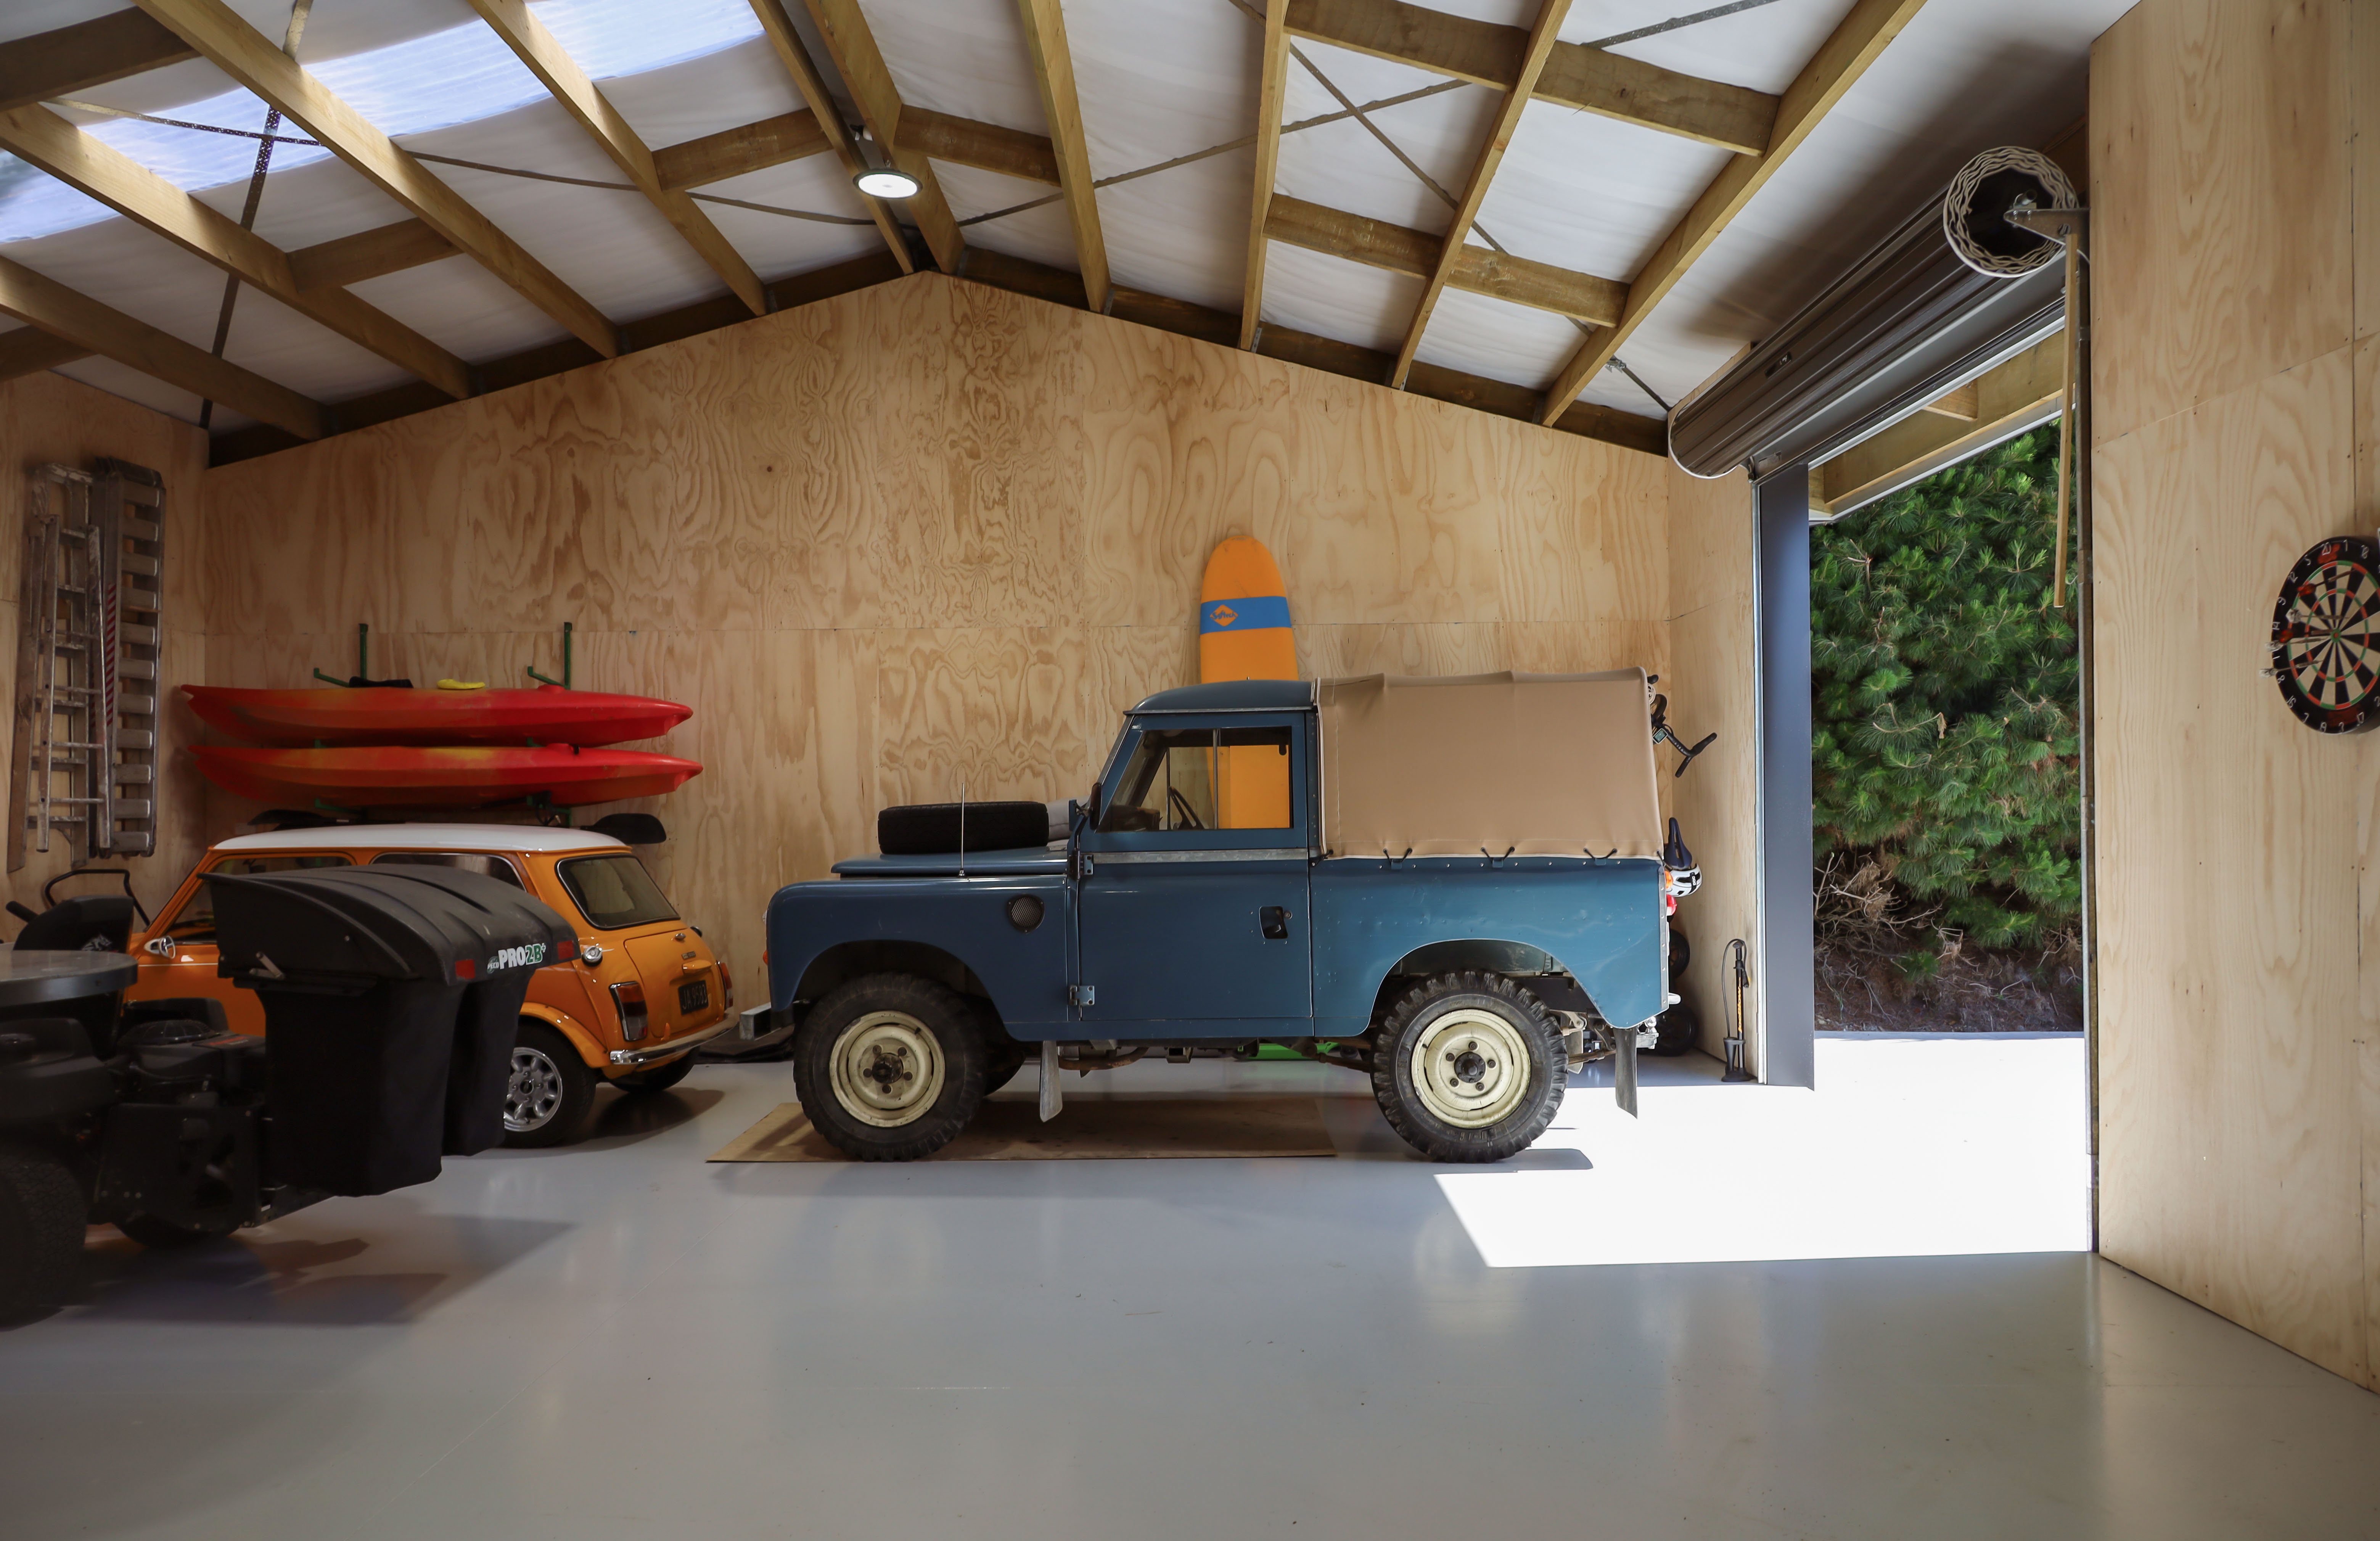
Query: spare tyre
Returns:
{"type": "Point", "coordinates": [931, 828]}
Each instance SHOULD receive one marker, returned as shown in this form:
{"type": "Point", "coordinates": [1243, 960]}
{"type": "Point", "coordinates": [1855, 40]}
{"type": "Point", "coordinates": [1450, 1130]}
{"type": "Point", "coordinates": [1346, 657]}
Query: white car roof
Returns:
{"type": "Point", "coordinates": [425, 837]}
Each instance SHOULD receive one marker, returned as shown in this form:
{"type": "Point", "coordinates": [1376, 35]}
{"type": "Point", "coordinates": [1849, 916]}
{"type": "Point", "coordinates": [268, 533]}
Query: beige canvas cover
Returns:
{"type": "Point", "coordinates": [1539, 764]}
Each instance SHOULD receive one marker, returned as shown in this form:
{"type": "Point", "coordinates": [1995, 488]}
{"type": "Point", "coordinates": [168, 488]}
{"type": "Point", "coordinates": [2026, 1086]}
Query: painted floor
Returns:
{"type": "Point", "coordinates": [1620, 1334]}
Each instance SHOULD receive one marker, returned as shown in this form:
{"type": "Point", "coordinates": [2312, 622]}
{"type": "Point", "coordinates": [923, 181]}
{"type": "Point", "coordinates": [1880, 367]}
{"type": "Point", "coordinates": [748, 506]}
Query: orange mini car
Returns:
{"type": "Point", "coordinates": [643, 993]}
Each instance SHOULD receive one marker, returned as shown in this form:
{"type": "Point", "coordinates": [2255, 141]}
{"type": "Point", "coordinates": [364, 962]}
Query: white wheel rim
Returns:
{"type": "Point", "coordinates": [1470, 1067]}
{"type": "Point", "coordinates": [887, 1069]}
{"type": "Point", "coordinates": [533, 1092]}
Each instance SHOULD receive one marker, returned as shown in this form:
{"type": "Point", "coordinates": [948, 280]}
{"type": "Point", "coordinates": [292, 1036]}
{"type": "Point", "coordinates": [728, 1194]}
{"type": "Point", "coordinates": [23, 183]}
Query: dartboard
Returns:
{"type": "Point", "coordinates": [2326, 635]}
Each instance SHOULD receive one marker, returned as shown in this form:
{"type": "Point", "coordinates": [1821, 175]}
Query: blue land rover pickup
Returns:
{"type": "Point", "coordinates": [1456, 885]}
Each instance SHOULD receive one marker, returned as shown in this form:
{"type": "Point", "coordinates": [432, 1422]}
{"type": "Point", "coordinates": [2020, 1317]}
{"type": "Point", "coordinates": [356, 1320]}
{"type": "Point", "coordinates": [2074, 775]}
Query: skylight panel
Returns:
{"type": "Point", "coordinates": [460, 75]}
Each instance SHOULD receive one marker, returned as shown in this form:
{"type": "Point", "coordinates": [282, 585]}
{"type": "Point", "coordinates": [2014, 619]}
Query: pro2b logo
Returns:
{"type": "Point", "coordinates": [531, 956]}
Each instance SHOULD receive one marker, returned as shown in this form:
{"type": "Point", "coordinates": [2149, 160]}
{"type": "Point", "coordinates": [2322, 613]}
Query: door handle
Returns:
{"type": "Point", "coordinates": [1275, 921]}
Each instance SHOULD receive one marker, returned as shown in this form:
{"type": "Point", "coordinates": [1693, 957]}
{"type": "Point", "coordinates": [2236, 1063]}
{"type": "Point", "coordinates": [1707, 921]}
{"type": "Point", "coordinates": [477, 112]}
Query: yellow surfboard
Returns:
{"type": "Point", "coordinates": [1244, 616]}
{"type": "Point", "coordinates": [1243, 635]}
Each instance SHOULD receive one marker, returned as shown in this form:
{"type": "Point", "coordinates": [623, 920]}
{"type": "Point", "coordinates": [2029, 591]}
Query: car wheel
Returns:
{"type": "Point", "coordinates": [658, 1078]}
{"type": "Point", "coordinates": [890, 1067]}
{"type": "Point", "coordinates": [40, 1231]}
{"type": "Point", "coordinates": [1679, 1027]}
{"type": "Point", "coordinates": [550, 1093]}
{"type": "Point", "coordinates": [1468, 1067]}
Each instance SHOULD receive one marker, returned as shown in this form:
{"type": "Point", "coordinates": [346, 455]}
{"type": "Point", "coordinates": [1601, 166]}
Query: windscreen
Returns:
{"type": "Point", "coordinates": [1204, 778]}
{"type": "Point", "coordinates": [614, 892]}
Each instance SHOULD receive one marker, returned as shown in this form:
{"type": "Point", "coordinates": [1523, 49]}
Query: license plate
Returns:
{"type": "Point", "coordinates": [693, 998]}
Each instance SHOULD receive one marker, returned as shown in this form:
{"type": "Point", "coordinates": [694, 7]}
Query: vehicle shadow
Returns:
{"type": "Point", "coordinates": [621, 1120]}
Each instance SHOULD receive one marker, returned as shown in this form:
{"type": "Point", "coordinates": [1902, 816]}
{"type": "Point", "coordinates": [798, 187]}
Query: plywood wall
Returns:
{"type": "Point", "coordinates": [47, 419]}
{"type": "Point", "coordinates": [1712, 685]}
{"type": "Point", "coordinates": [925, 535]}
{"type": "Point", "coordinates": [2238, 853]}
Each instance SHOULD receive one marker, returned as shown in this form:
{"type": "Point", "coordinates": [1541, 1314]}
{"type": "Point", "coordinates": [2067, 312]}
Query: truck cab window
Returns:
{"type": "Point", "coordinates": [1204, 778]}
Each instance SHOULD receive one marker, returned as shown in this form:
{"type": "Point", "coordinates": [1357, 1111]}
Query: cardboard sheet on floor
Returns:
{"type": "Point", "coordinates": [1090, 1129]}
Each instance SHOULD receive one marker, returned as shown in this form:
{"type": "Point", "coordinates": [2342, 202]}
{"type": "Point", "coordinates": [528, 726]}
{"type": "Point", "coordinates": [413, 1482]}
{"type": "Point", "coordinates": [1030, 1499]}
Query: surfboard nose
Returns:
{"type": "Point", "coordinates": [1244, 623]}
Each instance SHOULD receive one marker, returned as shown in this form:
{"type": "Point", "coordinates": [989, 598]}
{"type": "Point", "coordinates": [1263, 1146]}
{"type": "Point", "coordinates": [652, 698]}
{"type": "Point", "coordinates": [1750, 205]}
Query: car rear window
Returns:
{"type": "Point", "coordinates": [195, 922]}
{"type": "Point", "coordinates": [466, 861]}
{"type": "Point", "coordinates": [614, 892]}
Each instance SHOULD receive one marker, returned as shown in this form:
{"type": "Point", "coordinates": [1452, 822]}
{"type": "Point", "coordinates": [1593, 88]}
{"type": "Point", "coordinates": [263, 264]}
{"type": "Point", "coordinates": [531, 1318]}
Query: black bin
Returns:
{"type": "Point", "coordinates": [391, 996]}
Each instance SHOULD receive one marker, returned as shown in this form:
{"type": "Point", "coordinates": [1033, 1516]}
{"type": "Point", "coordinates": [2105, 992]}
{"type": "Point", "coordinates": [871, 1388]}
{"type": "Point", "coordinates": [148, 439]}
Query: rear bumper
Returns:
{"type": "Point", "coordinates": [654, 1053]}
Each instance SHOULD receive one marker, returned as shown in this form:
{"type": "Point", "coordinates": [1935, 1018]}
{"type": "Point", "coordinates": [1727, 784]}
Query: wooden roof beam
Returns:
{"type": "Point", "coordinates": [985, 146]}
{"type": "Point", "coordinates": [93, 167]}
{"type": "Point", "coordinates": [1376, 243]}
{"type": "Point", "coordinates": [1574, 75]}
{"type": "Point", "coordinates": [30, 350]}
{"type": "Point", "coordinates": [746, 147]}
{"type": "Point", "coordinates": [1053, 71]}
{"type": "Point", "coordinates": [863, 68]}
{"type": "Point", "coordinates": [1272, 84]}
{"type": "Point", "coordinates": [1452, 244]}
{"type": "Point", "coordinates": [828, 114]}
{"type": "Point", "coordinates": [79, 320]}
{"type": "Point", "coordinates": [551, 64]}
{"type": "Point", "coordinates": [1840, 62]}
{"type": "Point", "coordinates": [255, 61]}
{"type": "Point", "coordinates": [50, 64]}
{"type": "Point", "coordinates": [335, 264]}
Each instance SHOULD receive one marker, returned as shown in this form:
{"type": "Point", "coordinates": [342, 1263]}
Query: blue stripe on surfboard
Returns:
{"type": "Point", "coordinates": [1256, 613]}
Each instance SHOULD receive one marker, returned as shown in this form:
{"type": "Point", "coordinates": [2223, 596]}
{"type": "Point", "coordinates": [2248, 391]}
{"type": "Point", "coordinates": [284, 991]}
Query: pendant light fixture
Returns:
{"type": "Point", "coordinates": [877, 177]}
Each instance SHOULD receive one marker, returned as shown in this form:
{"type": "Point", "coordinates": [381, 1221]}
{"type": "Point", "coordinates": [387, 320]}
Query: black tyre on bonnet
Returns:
{"type": "Point", "coordinates": [1468, 1067]}
{"type": "Point", "coordinates": [890, 1067]}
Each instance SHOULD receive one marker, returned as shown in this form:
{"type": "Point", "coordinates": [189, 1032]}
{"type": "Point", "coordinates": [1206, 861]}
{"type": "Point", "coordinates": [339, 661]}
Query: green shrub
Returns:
{"type": "Point", "coordinates": [1944, 696]}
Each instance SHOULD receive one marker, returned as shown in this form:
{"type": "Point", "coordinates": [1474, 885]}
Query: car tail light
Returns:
{"type": "Point", "coordinates": [727, 984]}
{"type": "Point", "coordinates": [630, 999]}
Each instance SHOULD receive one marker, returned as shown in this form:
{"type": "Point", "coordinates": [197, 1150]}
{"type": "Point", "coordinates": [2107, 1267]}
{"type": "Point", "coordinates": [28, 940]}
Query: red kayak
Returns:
{"type": "Point", "coordinates": [473, 777]}
{"type": "Point", "coordinates": [547, 714]}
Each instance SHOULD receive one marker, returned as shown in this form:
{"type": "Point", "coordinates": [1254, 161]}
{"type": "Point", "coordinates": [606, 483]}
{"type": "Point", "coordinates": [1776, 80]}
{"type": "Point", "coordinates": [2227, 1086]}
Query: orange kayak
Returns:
{"type": "Point", "coordinates": [547, 714]}
{"type": "Point", "coordinates": [396, 776]}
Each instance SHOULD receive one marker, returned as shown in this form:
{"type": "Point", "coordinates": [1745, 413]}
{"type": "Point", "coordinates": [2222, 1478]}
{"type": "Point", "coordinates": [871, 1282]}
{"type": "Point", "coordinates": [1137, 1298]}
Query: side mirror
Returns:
{"type": "Point", "coordinates": [160, 946]}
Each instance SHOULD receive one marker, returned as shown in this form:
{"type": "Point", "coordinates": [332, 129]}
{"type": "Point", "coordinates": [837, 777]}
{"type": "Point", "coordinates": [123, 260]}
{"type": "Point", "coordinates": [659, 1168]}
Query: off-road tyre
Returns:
{"type": "Point", "coordinates": [1680, 1028]}
{"type": "Point", "coordinates": [165, 1235]}
{"type": "Point", "coordinates": [549, 1091]}
{"type": "Point", "coordinates": [40, 1231]}
{"type": "Point", "coordinates": [1526, 1026]}
{"type": "Point", "coordinates": [1682, 955]}
{"type": "Point", "coordinates": [908, 1038]}
{"type": "Point", "coordinates": [658, 1078]}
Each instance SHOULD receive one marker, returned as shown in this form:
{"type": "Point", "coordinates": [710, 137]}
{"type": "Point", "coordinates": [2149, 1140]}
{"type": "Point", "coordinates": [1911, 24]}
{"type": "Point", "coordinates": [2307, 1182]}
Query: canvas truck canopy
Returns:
{"type": "Point", "coordinates": [1538, 764]}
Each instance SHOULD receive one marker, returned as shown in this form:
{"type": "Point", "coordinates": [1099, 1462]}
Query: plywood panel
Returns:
{"type": "Point", "coordinates": [918, 534]}
{"type": "Point", "coordinates": [2220, 226]}
{"type": "Point", "coordinates": [2231, 1162]}
{"type": "Point", "coordinates": [1710, 683]}
{"type": "Point", "coordinates": [47, 418]}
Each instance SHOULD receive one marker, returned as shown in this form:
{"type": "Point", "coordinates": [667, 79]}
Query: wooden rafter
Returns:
{"type": "Point", "coordinates": [1482, 171]}
{"type": "Point", "coordinates": [30, 350]}
{"type": "Point", "coordinates": [1053, 71]}
{"type": "Point", "coordinates": [335, 264]}
{"type": "Point", "coordinates": [80, 320]}
{"type": "Point", "coordinates": [257, 63]}
{"type": "Point", "coordinates": [746, 147]}
{"type": "Point", "coordinates": [1572, 76]}
{"type": "Point", "coordinates": [1376, 243]}
{"type": "Point", "coordinates": [551, 64]}
{"type": "Point", "coordinates": [985, 146]}
{"type": "Point", "coordinates": [863, 68]}
{"type": "Point", "coordinates": [50, 64]}
{"type": "Point", "coordinates": [824, 110]}
{"type": "Point", "coordinates": [1840, 61]}
{"type": "Point", "coordinates": [1271, 85]}
{"type": "Point", "coordinates": [98, 170]}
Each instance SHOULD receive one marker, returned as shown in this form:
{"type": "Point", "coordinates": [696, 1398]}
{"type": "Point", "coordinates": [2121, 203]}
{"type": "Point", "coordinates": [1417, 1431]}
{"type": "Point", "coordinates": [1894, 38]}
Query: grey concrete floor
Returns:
{"type": "Point", "coordinates": [618, 1340]}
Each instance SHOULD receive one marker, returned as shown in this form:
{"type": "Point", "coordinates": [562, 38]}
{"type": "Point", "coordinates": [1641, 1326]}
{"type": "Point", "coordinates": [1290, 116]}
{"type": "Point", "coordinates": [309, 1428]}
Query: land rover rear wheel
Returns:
{"type": "Point", "coordinates": [1468, 1067]}
{"type": "Point", "coordinates": [890, 1067]}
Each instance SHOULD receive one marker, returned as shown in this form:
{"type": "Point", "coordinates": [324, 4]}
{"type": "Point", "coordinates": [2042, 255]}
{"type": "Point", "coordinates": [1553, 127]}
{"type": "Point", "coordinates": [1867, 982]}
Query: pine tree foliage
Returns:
{"type": "Point", "coordinates": [1945, 695]}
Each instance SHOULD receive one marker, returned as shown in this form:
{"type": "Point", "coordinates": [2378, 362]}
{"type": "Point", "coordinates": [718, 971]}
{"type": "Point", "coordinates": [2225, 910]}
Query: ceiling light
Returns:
{"type": "Point", "coordinates": [885, 182]}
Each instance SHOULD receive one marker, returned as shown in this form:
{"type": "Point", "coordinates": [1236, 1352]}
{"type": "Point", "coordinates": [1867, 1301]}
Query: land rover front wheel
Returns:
{"type": "Point", "coordinates": [1468, 1067]}
{"type": "Point", "coordinates": [890, 1066]}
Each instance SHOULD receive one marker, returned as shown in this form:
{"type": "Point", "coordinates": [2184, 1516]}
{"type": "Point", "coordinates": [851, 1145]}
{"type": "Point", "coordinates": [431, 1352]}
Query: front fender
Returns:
{"type": "Point", "coordinates": [1024, 971]}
